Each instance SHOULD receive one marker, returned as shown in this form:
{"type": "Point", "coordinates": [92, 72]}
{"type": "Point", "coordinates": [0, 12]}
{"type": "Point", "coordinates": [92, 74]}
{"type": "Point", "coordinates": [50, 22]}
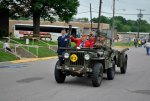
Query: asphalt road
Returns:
{"type": "Point", "coordinates": [34, 81]}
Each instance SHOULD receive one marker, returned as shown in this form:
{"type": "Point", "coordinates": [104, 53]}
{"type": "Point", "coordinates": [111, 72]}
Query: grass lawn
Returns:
{"type": "Point", "coordinates": [35, 42]}
{"type": "Point", "coordinates": [1, 45]}
{"type": "Point", "coordinates": [4, 56]}
{"type": "Point", "coordinates": [123, 44]}
{"type": "Point", "coordinates": [42, 51]}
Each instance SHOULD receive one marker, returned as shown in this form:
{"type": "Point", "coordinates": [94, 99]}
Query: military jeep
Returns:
{"type": "Point", "coordinates": [92, 63]}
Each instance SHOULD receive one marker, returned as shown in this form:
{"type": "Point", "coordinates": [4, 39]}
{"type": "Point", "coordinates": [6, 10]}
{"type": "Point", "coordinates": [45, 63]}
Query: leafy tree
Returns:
{"type": "Point", "coordinates": [4, 18]}
{"type": "Point", "coordinates": [126, 28]}
{"type": "Point", "coordinates": [121, 19]}
{"type": "Point", "coordinates": [103, 19]}
{"type": "Point", "coordinates": [121, 24]}
{"type": "Point", "coordinates": [95, 20]}
{"type": "Point", "coordinates": [8, 8]}
{"type": "Point", "coordinates": [84, 19]}
{"type": "Point", "coordinates": [65, 9]}
{"type": "Point", "coordinates": [4, 22]}
{"type": "Point", "coordinates": [133, 28]}
{"type": "Point", "coordinates": [131, 22]}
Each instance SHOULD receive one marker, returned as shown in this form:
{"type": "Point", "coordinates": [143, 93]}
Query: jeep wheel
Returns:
{"type": "Point", "coordinates": [59, 76]}
{"type": "Point", "coordinates": [97, 74]}
{"type": "Point", "coordinates": [124, 67]}
{"type": "Point", "coordinates": [111, 72]}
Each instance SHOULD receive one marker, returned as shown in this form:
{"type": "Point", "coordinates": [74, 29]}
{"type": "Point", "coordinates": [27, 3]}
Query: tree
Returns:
{"type": "Point", "coordinates": [95, 20]}
{"type": "Point", "coordinates": [126, 28]}
{"type": "Point", "coordinates": [121, 24]}
{"type": "Point", "coordinates": [121, 19]}
{"type": "Point", "coordinates": [4, 25]}
{"type": "Point", "coordinates": [8, 8]}
{"type": "Point", "coordinates": [103, 19]}
{"type": "Point", "coordinates": [65, 9]}
{"type": "Point", "coordinates": [4, 18]}
{"type": "Point", "coordinates": [84, 19]}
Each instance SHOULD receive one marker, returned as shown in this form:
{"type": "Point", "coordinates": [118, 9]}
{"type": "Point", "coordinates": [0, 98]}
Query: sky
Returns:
{"type": "Point", "coordinates": [130, 7]}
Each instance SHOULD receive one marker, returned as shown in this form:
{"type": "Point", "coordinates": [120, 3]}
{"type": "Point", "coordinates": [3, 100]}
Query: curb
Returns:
{"type": "Point", "coordinates": [33, 59]}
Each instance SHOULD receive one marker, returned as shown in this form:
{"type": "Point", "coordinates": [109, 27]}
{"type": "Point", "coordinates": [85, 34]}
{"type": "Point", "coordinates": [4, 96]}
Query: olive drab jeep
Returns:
{"type": "Point", "coordinates": [92, 63]}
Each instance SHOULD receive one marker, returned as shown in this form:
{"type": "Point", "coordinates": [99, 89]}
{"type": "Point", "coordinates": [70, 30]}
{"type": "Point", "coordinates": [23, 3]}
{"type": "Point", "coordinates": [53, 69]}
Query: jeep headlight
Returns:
{"type": "Point", "coordinates": [66, 55]}
{"type": "Point", "coordinates": [86, 56]}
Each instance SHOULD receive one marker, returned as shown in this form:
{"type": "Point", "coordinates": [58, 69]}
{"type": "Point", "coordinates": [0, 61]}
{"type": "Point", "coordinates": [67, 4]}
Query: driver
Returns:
{"type": "Point", "coordinates": [100, 41]}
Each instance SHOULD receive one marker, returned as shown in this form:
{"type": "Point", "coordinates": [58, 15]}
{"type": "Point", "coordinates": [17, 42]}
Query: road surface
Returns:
{"type": "Point", "coordinates": [34, 81]}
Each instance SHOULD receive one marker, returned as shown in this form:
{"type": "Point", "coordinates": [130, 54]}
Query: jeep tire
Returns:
{"type": "Point", "coordinates": [97, 74]}
{"type": "Point", "coordinates": [111, 72]}
{"type": "Point", "coordinates": [124, 66]}
{"type": "Point", "coordinates": [59, 76]}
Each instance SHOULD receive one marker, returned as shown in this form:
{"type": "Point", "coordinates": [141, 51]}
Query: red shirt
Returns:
{"type": "Point", "coordinates": [78, 41]}
{"type": "Point", "coordinates": [92, 41]}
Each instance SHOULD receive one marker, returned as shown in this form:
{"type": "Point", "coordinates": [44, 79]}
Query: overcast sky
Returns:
{"type": "Point", "coordinates": [130, 7]}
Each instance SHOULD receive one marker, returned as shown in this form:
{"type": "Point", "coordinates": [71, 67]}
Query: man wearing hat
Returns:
{"type": "Point", "coordinates": [100, 40]}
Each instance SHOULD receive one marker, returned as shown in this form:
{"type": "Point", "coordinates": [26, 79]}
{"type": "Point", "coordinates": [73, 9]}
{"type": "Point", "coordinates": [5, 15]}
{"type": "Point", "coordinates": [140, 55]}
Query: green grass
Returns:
{"type": "Point", "coordinates": [35, 42]}
{"type": "Point", "coordinates": [42, 51]}
{"type": "Point", "coordinates": [123, 44]}
{"type": "Point", "coordinates": [1, 45]}
{"type": "Point", "coordinates": [4, 56]}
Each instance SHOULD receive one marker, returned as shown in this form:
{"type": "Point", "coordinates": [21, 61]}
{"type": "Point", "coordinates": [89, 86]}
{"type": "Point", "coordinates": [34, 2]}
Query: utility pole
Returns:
{"type": "Point", "coordinates": [91, 15]}
{"type": "Point", "coordinates": [100, 6]}
{"type": "Point", "coordinates": [140, 15]}
{"type": "Point", "coordinates": [113, 23]}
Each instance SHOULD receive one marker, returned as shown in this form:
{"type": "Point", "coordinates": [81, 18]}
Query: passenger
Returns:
{"type": "Point", "coordinates": [100, 41]}
{"type": "Point", "coordinates": [91, 39]}
{"type": "Point", "coordinates": [81, 42]}
{"type": "Point", "coordinates": [63, 41]}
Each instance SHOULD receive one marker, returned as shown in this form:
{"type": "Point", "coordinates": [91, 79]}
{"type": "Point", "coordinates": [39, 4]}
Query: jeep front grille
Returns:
{"type": "Point", "coordinates": [80, 61]}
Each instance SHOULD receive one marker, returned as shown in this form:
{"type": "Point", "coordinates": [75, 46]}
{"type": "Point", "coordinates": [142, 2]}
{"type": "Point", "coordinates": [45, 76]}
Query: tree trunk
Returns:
{"type": "Point", "coordinates": [36, 23]}
{"type": "Point", "coordinates": [4, 23]}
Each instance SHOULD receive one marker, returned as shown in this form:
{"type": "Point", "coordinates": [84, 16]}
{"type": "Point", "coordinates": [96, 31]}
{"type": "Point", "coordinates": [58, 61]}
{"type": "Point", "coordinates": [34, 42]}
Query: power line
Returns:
{"type": "Point", "coordinates": [110, 13]}
{"type": "Point", "coordinates": [87, 6]}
